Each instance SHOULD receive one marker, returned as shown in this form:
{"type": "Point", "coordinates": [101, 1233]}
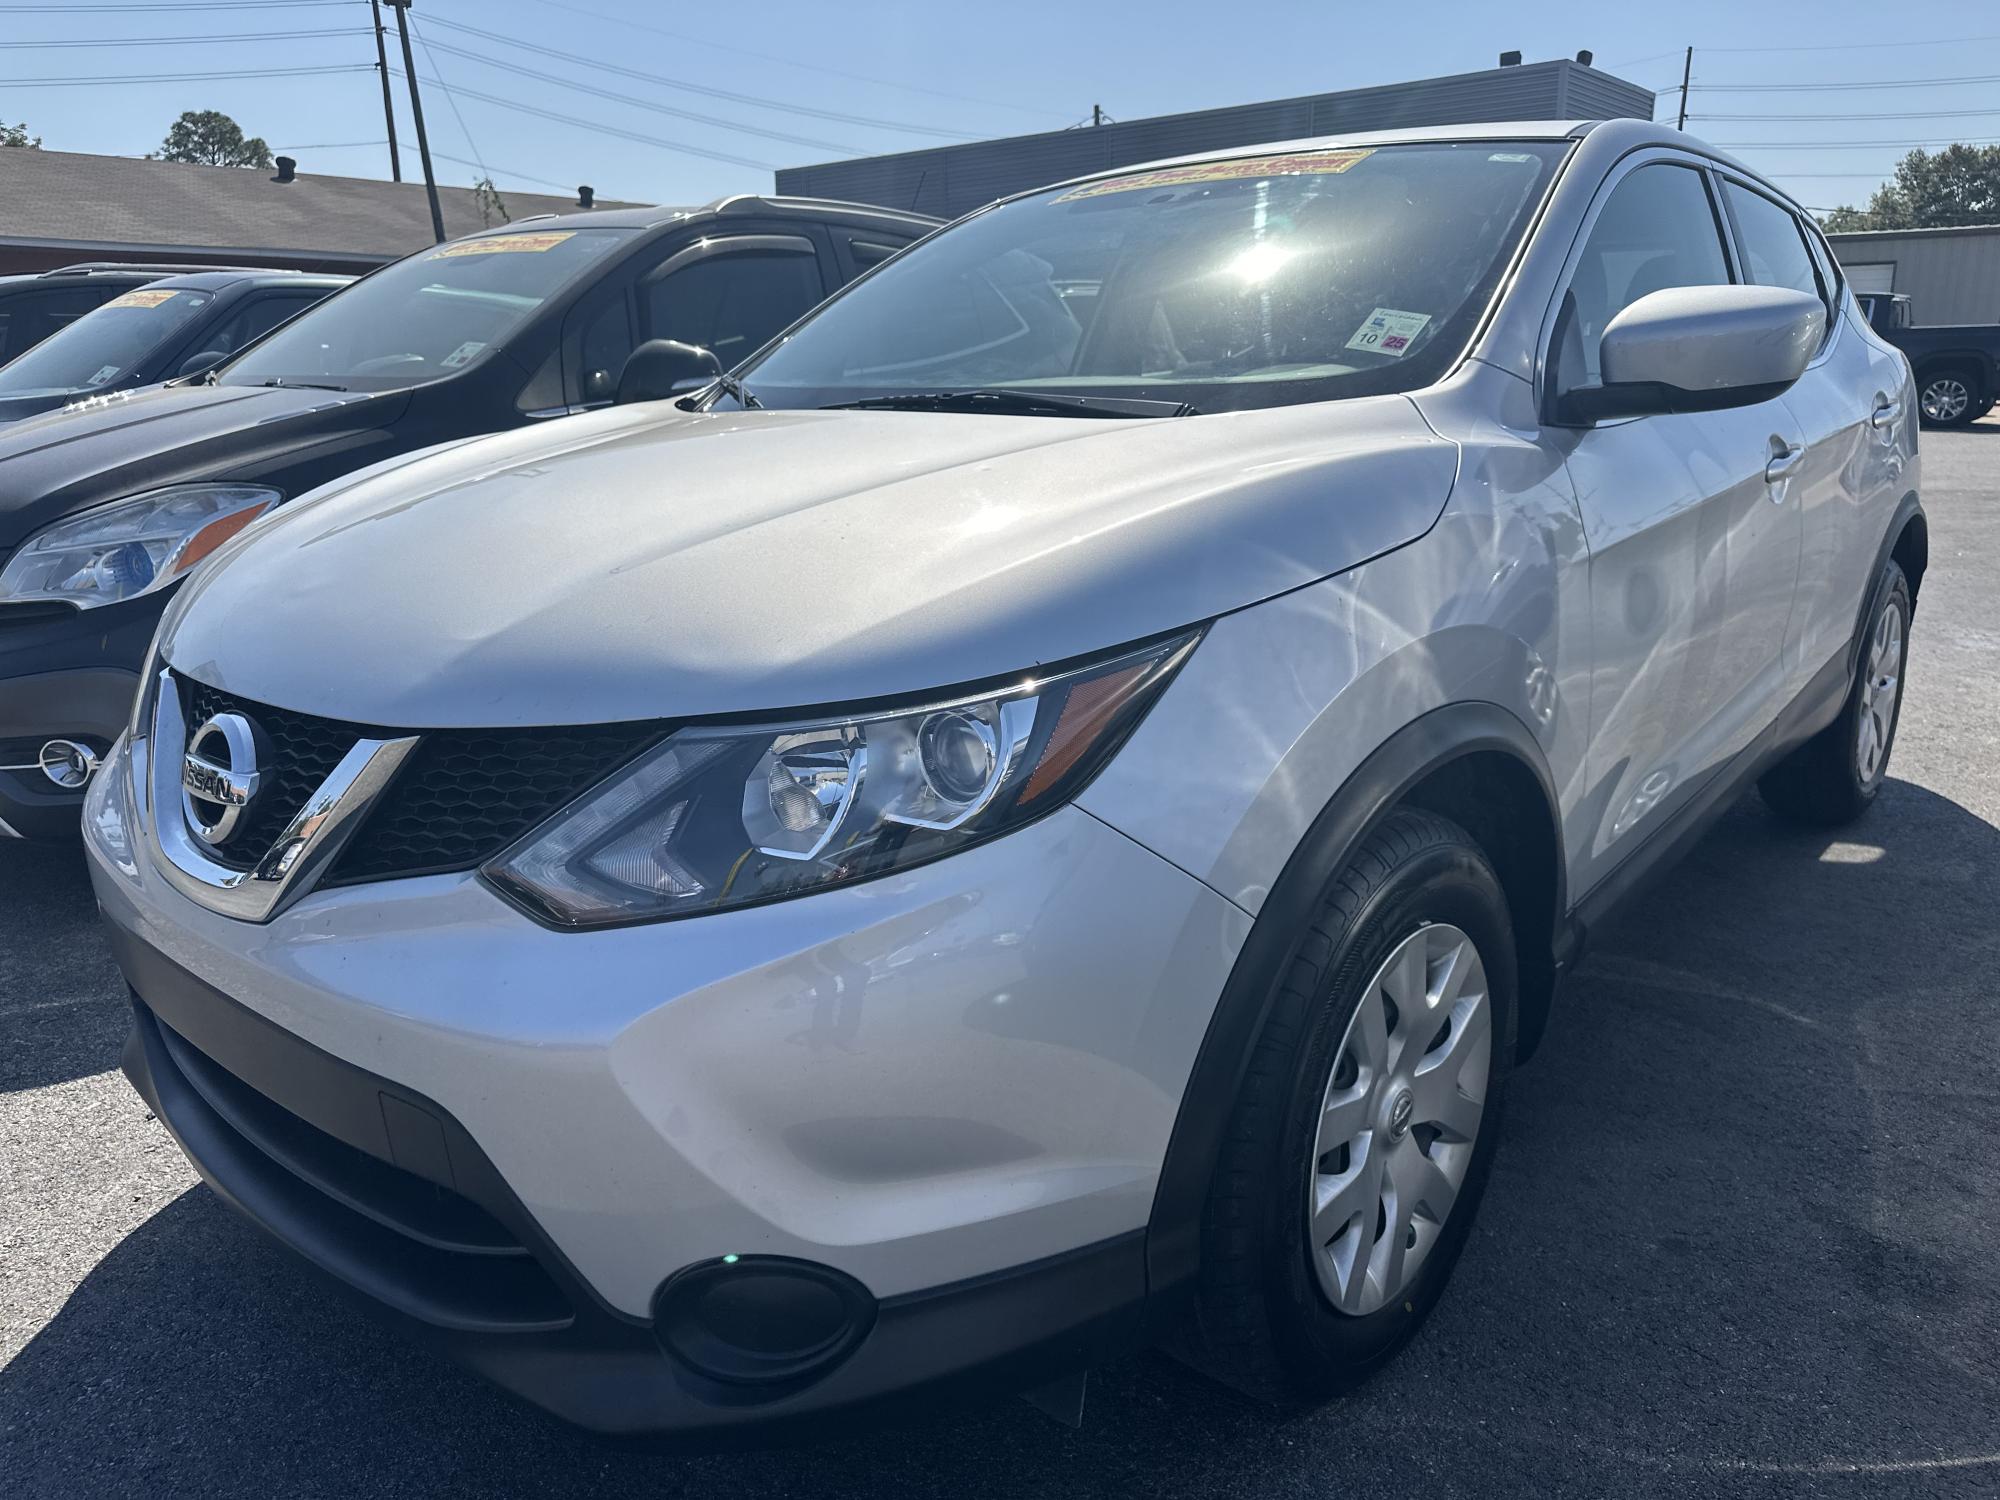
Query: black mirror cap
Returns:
{"type": "Point", "coordinates": [195, 364]}
{"type": "Point", "coordinates": [660, 368]}
{"type": "Point", "coordinates": [1603, 403]}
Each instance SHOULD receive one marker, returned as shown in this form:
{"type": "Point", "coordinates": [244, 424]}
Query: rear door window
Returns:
{"type": "Point", "coordinates": [1774, 246]}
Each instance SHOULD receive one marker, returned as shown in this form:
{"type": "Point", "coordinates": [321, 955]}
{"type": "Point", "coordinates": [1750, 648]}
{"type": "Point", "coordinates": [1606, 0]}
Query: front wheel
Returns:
{"type": "Point", "coordinates": [1363, 1131]}
{"type": "Point", "coordinates": [1951, 398]}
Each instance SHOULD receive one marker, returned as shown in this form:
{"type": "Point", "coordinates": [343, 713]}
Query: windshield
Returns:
{"type": "Point", "coordinates": [432, 314]}
{"type": "Point", "coordinates": [105, 345]}
{"type": "Point", "coordinates": [1259, 281]}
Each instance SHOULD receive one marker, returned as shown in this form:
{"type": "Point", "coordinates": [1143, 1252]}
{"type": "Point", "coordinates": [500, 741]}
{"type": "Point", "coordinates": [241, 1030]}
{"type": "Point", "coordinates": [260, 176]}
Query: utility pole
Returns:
{"type": "Point", "coordinates": [1097, 114]}
{"type": "Point", "coordinates": [1687, 71]}
{"type": "Point", "coordinates": [402, 9]}
{"type": "Point", "coordinates": [388, 103]}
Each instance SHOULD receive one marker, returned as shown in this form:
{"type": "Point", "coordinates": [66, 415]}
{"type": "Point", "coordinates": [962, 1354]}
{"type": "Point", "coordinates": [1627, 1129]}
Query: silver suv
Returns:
{"type": "Point", "coordinates": [1041, 815]}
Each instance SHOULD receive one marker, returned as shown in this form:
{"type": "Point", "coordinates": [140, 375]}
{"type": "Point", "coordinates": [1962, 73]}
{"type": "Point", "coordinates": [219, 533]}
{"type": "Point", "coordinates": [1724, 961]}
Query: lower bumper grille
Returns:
{"type": "Point", "coordinates": [420, 1248]}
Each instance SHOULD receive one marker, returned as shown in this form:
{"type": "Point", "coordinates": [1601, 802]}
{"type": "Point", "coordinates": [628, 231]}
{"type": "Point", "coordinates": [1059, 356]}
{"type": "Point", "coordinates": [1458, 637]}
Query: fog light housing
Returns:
{"type": "Point", "coordinates": [761, 1321]}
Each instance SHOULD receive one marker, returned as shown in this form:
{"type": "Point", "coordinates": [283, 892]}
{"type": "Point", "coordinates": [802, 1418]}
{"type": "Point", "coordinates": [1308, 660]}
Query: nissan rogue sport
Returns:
{"type": "Point", "coordinates": [1039, 815]}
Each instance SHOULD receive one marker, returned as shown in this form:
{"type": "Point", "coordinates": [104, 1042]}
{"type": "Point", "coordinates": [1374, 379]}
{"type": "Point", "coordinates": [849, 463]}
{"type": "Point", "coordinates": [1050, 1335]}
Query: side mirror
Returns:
{"type": "Point", "coordinates": [1700, 348]}
{"type": "Point", "coordinates": [660, 368]}
{"type": "Point", "coordinates": [194, 364]}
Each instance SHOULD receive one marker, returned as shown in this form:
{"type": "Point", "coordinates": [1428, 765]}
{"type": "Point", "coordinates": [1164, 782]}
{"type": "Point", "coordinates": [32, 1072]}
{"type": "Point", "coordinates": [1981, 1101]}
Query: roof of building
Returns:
{"type": "Point", "coordinates": [67, 198]}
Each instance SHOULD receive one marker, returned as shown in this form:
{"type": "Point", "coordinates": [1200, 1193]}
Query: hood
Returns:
{"type": "Point", "coordinates": [105, 447]}
{"type": "Point", "coordinates": [33, 403]}
{"type": "Point", "coordinates": [629, 564]}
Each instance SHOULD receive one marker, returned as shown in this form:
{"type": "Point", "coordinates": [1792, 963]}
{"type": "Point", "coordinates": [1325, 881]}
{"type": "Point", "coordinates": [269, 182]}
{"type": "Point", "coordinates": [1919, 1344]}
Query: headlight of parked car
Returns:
{"type": "Point", "coordinates": [719, 816]}
{"type": "Point", "coordinates": [131, 547]}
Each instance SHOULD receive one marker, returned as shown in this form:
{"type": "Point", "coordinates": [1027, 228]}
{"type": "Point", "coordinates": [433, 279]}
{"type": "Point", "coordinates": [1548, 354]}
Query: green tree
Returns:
{"type": "Point", "coordinates": [17, 135]}
{"type": "Point", "coordinates": [210, 138]}
{"type": "Point", "coordinates": [1931, 190]}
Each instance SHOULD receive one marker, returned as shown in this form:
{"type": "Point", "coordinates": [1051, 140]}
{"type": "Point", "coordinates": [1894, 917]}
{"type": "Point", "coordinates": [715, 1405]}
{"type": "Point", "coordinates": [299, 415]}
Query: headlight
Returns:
{"type": "Point", "coordinates": [132, 547]}
{"type": "Point", "coordinates": [719, 816]}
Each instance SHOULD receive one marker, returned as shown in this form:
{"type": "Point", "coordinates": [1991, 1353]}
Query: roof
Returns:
{"type": "Point", "coordinates": [67, 198]}
{"type": "Point", "coordinates": [736, 203]}
{"type": "Point", "coordinates": [215, 281]}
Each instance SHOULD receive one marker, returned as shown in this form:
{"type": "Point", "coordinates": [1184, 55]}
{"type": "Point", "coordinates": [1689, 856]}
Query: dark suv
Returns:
{"type": "Point", "coordinates": [105, 505]}
{"type": "Point", "coordinates": [38, 304]}
{"type": "Point", "coordinates": [178, 325]}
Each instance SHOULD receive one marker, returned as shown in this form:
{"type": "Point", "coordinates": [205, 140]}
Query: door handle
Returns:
{"type": "Point", "coordinates": [1885, 413]}
{"type": "Point", "coordinates": [1781, 467]}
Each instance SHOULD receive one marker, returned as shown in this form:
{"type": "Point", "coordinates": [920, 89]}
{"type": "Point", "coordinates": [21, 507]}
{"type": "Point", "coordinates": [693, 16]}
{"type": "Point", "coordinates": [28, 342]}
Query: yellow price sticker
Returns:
{"type": "Point", "coordinates": [504, 244]}
{"type": "Point", "coordinates": [141, 298]}
{"type": "Point", "coordinates": [1241, 169]}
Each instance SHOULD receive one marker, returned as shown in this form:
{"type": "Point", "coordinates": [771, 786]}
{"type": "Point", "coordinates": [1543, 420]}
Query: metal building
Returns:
{"type": "Point", "coordinates": [1951, 275]}
{"type": "Point", "coordinates": [951, 180]}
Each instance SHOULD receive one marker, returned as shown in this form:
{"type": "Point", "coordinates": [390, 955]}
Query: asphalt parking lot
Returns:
{"type": "Point", "coordinates": [1741, 1238]}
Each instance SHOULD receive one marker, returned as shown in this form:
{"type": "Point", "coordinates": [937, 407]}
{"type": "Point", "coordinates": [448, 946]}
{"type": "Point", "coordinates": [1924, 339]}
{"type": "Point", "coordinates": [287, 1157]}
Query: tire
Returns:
{"type": "Point", "coordinates": [1264, 1319]}
{"type": "Point", "coordinates": [1951, 396]}
{"type": "Point", "coordinates": [1834, 777]}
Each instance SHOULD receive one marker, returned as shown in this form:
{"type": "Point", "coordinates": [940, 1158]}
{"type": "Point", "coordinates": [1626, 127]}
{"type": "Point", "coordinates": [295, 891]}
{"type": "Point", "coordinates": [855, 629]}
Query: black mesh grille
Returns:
{"type": "Point", "coordinates": [462, 796]}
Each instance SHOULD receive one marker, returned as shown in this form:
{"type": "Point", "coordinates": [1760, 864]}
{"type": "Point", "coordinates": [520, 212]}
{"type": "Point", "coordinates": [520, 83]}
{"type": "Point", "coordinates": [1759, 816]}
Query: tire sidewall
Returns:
{"type": "Point", "coordinates": [1326, 1350]}
{"type": "Point", "coordinates": [1893, 588]}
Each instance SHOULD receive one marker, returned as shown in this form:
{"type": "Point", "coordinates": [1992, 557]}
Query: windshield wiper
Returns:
{"type": "Point", "coordinates": [301, 385]}
{"type": "Point", "coordinates": [1019, 404]}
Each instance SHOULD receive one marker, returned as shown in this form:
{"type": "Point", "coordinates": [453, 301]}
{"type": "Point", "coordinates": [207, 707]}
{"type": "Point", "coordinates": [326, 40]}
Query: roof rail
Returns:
{"type": "Point", "coordinates": [750, 203]}
{"type": "Point", "coordinates": [159, 268]}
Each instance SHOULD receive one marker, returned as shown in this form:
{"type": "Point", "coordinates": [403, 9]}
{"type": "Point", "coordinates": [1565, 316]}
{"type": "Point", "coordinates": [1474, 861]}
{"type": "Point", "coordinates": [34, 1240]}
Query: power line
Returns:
{"type": "Point", "coordinates": [890, 83]}
{"type": "Point", "coordinates": [93, 80]}
{"type": "Point", "coordinates": [109, 10]}
{"type": "Point", "coordinates": [332, 146]}
{"type": "Point", "coordinates": [456, 113]}
{"type": "Point", "coordinates": [602, 129]}
{"type": "Point", "coordinates": [1832, 88]}
{"type": "Point", "coordinates": [185, 41]}
{"type": "Point", "coordinates": [508, 172]}
{"type": "Point", "coordinates": [1908, 114]}
{"type": "Point", "coordinates": [756, 100]}
{"type": "Point", "coordinates": [1841, 145]}
{"type": "Point", "coordinates": [664, 109]}
{"type": "Point", "coordinates": [1934, 41]}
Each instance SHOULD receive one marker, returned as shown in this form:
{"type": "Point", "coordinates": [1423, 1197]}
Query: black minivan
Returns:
{"type": "Point", "coordinates": [178, 325]}
{"type": "Point", "coordinates": [106, 504]}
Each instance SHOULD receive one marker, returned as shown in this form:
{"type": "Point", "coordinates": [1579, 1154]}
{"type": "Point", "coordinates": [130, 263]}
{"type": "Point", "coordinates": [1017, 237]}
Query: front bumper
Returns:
{"type": "Point", "coordinates": [952, 1087]}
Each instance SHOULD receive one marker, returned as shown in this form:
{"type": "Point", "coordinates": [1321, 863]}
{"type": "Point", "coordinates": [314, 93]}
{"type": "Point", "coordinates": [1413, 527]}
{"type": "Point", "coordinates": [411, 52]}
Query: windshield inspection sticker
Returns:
{"type": "Point", "coordinates": [1248, 168]}
{"type": "Point", "coordinates": [504, 244]}
{"type": "Point", "coordinates": [463, 354]}
{"type": "Point", "coordinates": [1388, 331]}
{"type": "Point", "coordinates": [102, 375]}
{"type": "Point", "coordinates": [141, 298]}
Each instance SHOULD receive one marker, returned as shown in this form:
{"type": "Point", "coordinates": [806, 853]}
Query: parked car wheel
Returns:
{"type": "Point", "coordinates": [1833, 777]}
{"type": "Point", "coordinates": [1951, 398]}
{"type": "Point", "coordinates": [1366, 1123]}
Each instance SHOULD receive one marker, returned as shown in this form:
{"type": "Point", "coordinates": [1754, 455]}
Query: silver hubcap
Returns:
{"type": "Point", "coordinates": [1879, 690]}
{"type": "Point", "coordinates": [1945, 399]}
{"type": "Point", "coordinates": [1399, 1118]}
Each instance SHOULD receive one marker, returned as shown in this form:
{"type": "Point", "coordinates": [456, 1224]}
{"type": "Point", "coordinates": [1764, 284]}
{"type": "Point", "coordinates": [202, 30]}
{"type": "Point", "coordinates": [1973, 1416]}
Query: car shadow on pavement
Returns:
{"type": "Point", "coordinates": [62, 1003]}
{"type": "Point", "coordinates": [1739, 1237]}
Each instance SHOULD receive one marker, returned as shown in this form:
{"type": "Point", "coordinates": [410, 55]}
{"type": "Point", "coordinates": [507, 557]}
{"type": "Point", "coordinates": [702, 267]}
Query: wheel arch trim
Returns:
{"type": "Point", "coordinates": [1375, 789]}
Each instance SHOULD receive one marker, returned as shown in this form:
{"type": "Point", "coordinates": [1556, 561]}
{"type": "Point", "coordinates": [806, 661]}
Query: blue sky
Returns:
{"type": "Point", "coordinates": [883, 75]}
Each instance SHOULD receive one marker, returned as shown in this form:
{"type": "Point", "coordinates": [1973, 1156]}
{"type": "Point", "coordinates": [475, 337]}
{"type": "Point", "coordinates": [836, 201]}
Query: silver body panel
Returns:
{"type": "Point", "coordinates": [953, 1070]}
